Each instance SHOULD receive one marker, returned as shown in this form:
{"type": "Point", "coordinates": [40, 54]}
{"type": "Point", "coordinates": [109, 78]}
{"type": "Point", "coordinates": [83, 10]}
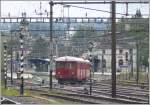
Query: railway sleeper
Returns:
{"type": "Point", "coordinates": [119, 100]}
{"type": "Point", "coordinates": [122, 96]}
{"type": "Point", "coordinates": [71, 99]}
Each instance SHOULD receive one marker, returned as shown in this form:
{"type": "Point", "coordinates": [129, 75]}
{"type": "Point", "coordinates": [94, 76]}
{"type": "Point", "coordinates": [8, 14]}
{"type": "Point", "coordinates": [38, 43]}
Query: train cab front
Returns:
{"type": "Point", "coordinates": [64, 72]}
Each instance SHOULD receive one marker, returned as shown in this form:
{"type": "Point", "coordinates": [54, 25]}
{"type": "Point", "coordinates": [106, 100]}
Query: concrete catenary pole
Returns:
{"type": "Point", "coordinates": [51, 43]}
{"type": "Point", "coordinates": [113, 48]}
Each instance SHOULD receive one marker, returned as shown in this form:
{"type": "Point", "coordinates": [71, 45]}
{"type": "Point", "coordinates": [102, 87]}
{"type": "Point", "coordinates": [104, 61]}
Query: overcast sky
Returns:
{"type": "Point", "coordinates": [17, 7]}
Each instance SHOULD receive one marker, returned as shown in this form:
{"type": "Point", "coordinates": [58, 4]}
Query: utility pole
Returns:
{"type": "Point", "coordinates": [131, 61]}
{"type": "Point", "coordinates": [102, 62]}
{"type": "Point", "coordinates": [113, 48]}
{"type": "Point", "coordinates": [56, 47]}
{"type": "Point", "coordinates": [11, 66]}
{"type": "Point", "coordinates": [51, 43]}
{"type": "Point", "coordinates": [137, 61]}
{"type": "Point", "coordinates": [11, 59]}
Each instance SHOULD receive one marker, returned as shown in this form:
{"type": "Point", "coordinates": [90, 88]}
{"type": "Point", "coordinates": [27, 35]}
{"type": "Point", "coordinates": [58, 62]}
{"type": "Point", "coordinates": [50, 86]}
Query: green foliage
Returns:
{"type": "Point", "coordinates": [13, 92]}
{"type": "Point", "coordinates": [143, 78]}
{"type": "Point", "coordinates": [82, 37]}
{"type": "Point", "coordinates": [139, 29]}
{"type": "Point", "coordinates": [39, 49]}
{"type": "Point", "coordinates": [14, 43]}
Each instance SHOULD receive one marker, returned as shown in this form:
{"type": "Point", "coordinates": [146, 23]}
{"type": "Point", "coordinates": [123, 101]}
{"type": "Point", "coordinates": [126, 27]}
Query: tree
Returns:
{"type": "Point", "coordinates": [83, 36]}
{"type": "Point", "coordinates": [40, 49]}
{"type": "Point", "coordinates": [14, 44]}
{"type": "Point", "coordinates": [139, 29]}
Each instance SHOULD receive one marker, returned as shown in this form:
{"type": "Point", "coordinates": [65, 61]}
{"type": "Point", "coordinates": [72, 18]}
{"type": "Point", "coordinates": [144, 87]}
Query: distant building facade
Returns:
{"type": "Point", "coordinates": [126, 54]}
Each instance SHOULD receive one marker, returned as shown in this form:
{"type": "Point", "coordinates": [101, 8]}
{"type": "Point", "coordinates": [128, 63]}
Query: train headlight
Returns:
{"type": "Point", "coordinates": [72, 73]}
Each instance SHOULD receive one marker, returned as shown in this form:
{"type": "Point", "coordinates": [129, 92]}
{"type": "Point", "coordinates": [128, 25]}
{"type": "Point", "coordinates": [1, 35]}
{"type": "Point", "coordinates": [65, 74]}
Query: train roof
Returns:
{"type": "Point", "coordinates": [71, 58]}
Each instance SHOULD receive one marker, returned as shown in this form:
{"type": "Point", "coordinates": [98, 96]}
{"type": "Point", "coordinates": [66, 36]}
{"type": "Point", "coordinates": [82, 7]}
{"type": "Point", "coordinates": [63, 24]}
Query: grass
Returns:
{"type": "Point", "coordinates": [13, 92]}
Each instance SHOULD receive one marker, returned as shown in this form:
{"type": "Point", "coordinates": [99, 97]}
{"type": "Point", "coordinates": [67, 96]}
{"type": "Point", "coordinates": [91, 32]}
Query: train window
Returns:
{"type": "Point", "coordinates": [65, 65]}
{"type": "Point", "coordinates": [120, 51]}
{"type": "Point", "coordinates": [59, 65]}
{"type": "Point", "coordinates": [69, 65]}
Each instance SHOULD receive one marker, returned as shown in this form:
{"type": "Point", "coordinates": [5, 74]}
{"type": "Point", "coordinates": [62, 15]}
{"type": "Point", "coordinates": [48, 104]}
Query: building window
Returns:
{"type": "Point", "coordinates": [130, 50]}
{"type": "Point", "coordinates": [120, 51]}
{"type": "Point", "coordinates": [126, 56]}
{"type": "Point", "coordinates": [104, 63]}
{"type": "Point", "coordinates": [103, 51]}
{"type": "Point", "coordinates": [120, 63]}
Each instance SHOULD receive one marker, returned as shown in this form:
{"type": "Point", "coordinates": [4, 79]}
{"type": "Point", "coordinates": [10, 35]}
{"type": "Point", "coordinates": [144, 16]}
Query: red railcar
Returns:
{"type": "Point", "coordinates": [72, 69]}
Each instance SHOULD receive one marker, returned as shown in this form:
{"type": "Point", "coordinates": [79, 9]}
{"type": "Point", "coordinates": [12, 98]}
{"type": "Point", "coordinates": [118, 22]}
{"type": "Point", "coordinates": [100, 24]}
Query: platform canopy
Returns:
{"type": "Point", "coordinates": [38, 61]}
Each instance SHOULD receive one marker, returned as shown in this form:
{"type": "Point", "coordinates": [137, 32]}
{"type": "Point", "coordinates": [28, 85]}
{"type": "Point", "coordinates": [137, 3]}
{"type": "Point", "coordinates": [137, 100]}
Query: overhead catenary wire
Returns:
{"type": "Point", "coordinates": [97, 10]}
{"type": "Point", "coordinates": [91, 9]}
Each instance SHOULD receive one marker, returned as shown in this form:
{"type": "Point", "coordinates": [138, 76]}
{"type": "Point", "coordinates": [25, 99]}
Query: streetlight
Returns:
{"type": "Point", "coordinates": [91, 45]}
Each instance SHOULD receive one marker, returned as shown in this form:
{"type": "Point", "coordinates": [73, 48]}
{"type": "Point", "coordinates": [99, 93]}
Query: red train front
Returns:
{"type": "Point", "coordinates": [72, 69]}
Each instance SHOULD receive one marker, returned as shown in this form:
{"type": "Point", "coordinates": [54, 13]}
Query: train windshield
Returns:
{"type": "Point", "coordinates": [67, 65]}
{"type": "Point", "coordinates": [60, 65]}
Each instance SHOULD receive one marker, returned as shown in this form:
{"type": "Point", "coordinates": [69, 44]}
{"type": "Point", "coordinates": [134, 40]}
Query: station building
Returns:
{"type": "Point", "coordinates": [126, 54]}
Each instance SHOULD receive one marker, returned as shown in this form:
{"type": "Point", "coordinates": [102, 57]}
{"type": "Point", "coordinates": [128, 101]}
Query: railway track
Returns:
{"type": "Point", "coordinates": [125, 93]}
{"type": "Point", "coordinates": [65, 97]}
{"type": "Point", "coordinates": [123, 88]}
{"type": "Point", "coordinates": [72, 98]}
{"type": "Point", "coordinates": [77, 96]}
{"type": "Point", "coordinates": [121, 95]}
{"type": "Point", "coordinates": [128, 83]}
{"type": "Point", "coordinates": [122, 92]}
{"type": "Point", "coordinates": [105, 96]}
{"type": "Point", "coordinates": [102, 91]}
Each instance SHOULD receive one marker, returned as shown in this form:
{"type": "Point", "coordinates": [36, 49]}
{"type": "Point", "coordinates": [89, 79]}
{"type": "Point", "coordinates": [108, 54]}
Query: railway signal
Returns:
{"type": "Point", "coordinates": [91, 45]}
{"type": "Point", "coordinates": [23, 32]}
